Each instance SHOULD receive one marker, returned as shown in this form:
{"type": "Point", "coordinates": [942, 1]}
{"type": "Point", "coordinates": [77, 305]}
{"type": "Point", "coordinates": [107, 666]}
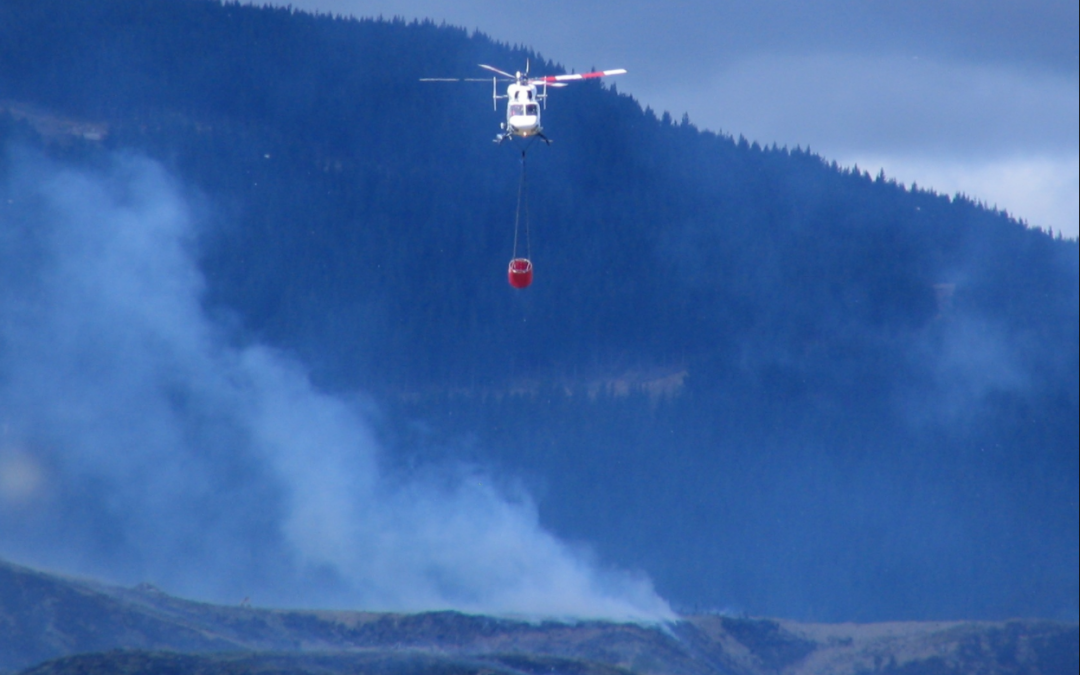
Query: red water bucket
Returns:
{"type": "Point", "coordinates": [520, 273]}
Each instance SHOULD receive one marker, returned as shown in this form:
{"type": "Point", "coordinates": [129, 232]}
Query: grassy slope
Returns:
{"type": "Point", "coordinates": [143, 630]}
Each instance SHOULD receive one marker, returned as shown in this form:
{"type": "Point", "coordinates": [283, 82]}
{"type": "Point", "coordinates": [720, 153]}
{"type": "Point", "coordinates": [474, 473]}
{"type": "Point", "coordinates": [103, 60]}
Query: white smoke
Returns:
{"type": "Point", "coordinates": [140, 443]}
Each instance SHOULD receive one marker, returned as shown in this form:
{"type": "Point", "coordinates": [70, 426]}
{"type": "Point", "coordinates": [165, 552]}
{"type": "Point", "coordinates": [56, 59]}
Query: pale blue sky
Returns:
{"type": "Point", "coordinates": [978, 96]}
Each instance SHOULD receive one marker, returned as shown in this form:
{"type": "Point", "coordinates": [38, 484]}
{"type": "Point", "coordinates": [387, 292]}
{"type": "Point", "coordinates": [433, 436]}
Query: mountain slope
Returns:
{"type": "Point", "coordinates": [144, 630]}
{"type": "Point", "coordinates": [45, 616]}
{"type": "Point", "coordinates": [872, 391]}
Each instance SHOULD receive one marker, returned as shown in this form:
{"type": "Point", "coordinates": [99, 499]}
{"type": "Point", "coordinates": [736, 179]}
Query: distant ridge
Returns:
{"type": "Point", "coordinates": [55, 625]}
{"type": "Point", "coordinates": [44, 616]}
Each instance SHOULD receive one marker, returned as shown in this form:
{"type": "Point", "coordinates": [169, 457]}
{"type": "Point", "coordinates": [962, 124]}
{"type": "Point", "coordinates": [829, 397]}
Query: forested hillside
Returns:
{"type": "Point", "coordinates": [772, 383]}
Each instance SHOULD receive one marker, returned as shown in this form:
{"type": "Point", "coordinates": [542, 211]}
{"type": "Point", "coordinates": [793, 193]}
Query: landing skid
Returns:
{"type": "Point", "coordinates": [506, 135]}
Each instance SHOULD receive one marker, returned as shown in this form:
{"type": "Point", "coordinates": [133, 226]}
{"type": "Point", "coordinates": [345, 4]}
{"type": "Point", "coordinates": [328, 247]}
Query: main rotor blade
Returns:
{"type": "Point", "coordinates": [579, 76]}
{"type": "Point", "coordinates": [455, 79]}
{"type": "Point", "coordinates": [496, 70]}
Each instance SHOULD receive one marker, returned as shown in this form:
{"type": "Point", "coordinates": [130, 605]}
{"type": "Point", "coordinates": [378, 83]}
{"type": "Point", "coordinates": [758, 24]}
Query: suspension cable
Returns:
{"type": "Point", "coordinates": [523, 201]}
{"type": "Point", "coordinates": [522, 205]}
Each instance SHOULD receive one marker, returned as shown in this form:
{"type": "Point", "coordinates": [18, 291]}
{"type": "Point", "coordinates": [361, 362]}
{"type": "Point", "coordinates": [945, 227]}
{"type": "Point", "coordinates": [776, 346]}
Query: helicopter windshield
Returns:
{"type": "Point", "coordinates": [532, 109]}
{"type": "Point", "coordinates": [517, 110]}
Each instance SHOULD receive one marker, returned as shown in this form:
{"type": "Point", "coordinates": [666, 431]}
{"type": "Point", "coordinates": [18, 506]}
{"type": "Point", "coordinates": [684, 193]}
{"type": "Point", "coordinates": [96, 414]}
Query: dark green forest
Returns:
{"type": "Point", "coordinates": [774, 384]}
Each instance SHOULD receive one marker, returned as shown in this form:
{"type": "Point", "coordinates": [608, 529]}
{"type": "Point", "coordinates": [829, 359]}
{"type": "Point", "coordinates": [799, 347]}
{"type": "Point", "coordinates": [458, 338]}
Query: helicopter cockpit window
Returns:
{"type": "Point", "coordinates": [516, 110]}
{"type": "Point", "coordinates": [532, 109]}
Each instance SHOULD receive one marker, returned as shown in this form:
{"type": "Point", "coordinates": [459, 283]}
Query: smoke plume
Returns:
{"type": "Point", "coordinates": [143, 442]}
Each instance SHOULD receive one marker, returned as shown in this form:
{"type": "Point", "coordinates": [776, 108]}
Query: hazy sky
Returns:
{"type": "Point", "coordinates": [978, 96]}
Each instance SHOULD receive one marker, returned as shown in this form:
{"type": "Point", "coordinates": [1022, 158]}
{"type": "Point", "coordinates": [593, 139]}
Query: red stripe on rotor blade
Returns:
{"type": "Point", "coordinates": [584, 76]}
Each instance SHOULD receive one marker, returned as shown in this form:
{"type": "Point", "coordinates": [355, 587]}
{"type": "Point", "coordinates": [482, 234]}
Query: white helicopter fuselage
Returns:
{"type": "Point", "coordinates": [523, 110]}
{"type": "Point", "coordinates": [523, 98]}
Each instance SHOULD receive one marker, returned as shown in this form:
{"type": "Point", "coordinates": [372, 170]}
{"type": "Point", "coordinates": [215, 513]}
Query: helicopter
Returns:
{"type": "Point", "coordinates": [524, 96]}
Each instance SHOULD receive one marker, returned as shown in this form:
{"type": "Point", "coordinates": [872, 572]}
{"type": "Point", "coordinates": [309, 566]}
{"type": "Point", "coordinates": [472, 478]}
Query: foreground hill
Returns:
{"type": "Point", "coordinates": [767, 381]}
{"type": "Point", "coordinates": [87, 627]}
